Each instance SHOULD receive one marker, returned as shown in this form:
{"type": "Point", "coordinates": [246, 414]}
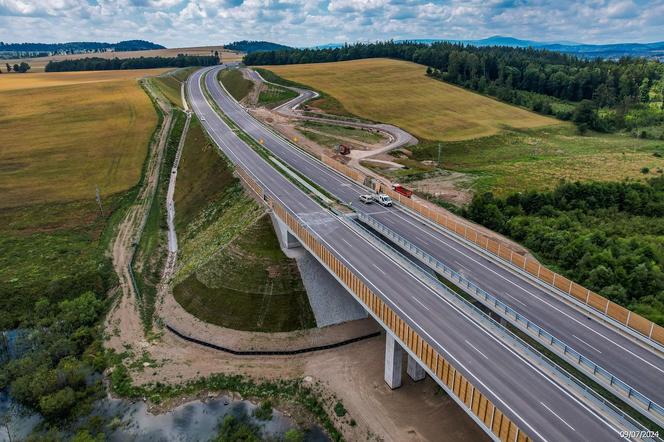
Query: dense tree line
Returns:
{"type": "Point", "coordinates": [606, 236]}
{"type": "Point", "coordinates": [79, 46]}
{"type": "Point", "coordinates": [107, 64]}
{"type": "Point", "coordinates": [249, 46]}
{"type": "Point", "coordinates": [531, 77]}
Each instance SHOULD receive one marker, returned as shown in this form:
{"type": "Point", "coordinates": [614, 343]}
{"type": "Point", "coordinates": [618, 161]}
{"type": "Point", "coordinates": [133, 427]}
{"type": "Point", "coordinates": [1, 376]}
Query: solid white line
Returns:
{"type": "Point", "coordinates": [420, 302]}
{"type": "Point", "coordinates": [586, 343]}
{"type": "Point", "coordinates": [379, 269]}
{"type": "Point", "coordinates": [476, 349]}
{"type": "Point", "coordinates": [532, 294]}
{"type": "Point", "coordinates": [561, 419]}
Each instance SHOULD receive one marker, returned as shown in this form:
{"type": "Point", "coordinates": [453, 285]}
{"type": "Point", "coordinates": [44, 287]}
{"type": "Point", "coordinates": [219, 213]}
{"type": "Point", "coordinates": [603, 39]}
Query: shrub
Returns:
{"type": "Point", "coordinates": [339, 409]}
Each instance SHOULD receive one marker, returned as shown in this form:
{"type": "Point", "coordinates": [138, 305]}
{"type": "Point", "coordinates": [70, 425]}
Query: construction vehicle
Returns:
{"type": "Point", "coordinates": [402, 190]}
{"type": "Point", "coordinates": [343, 149]}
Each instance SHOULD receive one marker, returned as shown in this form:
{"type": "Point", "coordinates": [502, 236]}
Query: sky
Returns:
{"type": "Point", "coordinates": [182, 23]}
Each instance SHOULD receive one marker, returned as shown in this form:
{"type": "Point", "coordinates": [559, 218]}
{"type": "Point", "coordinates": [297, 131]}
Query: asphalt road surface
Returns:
{"type": "Point", "coordinates": [599, 342]}
{"type": "Point", "coordinates": [538, 405]}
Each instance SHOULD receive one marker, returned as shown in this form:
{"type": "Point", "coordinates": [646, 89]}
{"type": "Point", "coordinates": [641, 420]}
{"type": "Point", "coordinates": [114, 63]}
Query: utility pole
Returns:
{"type": "Point", "coordinates": [439, 147]}
{"type": "Point", "coordinates": [98, 198]}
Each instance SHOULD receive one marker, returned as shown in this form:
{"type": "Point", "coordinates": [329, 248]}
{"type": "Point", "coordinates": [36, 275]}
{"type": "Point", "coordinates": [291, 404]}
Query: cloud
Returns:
{"type": "Point", "coordinates": [309, 22]}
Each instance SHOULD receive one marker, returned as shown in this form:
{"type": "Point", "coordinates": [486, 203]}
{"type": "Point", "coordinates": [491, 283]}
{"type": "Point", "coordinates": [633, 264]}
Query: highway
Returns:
{"type": "Point", "coordinates": [539, 406]}
{"type": "Point", "coordinates": [639, 367]}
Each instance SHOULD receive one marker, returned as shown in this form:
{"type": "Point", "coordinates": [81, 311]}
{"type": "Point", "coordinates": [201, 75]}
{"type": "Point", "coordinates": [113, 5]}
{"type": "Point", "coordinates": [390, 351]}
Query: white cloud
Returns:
{"type": "Point", "coordinates": [309, 22]}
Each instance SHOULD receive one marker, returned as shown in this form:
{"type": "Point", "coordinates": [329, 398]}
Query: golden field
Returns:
{"type": "Point", "coordinates": [64, 133]}
{"type": "Point", "coordinates": [399, 92]}
{"type": "Point", "coordinates": [37, 64]}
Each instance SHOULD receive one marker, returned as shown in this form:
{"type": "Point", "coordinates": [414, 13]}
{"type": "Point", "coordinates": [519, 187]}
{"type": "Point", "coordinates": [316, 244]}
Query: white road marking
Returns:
{"type": "Point", "coordinates": [515, 299]}
{"type": "Point", "coordinates": [554, 413]}
{"type": "Point", "coordinates": [476, 349]}
{"type": "Point", "coordinates": [420, 302]}
{"type": "Point", "coordinates": [586, 343]}
{"type": "Point", "coordinates": [379, 269]}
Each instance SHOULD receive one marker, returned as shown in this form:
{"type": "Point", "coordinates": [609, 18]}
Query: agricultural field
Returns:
{"type": "Point", "coordinates": [231, 270]}
{"type": "Point", "coordinates": [399, 93]}
{"type": "Point", "coordinates": [52, 233]}
{"type": "Point", "coordinates": [37, 64]}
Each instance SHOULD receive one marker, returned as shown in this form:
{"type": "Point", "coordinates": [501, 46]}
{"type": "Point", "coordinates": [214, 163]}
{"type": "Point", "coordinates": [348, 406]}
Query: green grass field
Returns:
{"type": "Point", "coordinates": [238, 86]}
{"type": "Point", "coordinates": [231, 271]}
{"type": "Point", "coordinates": [272, 95]}
{"type": "Point", "coordinates": [535, 159]}
{"type": "Point", "coordinates": [62, 135]}
{"type": "Point", "coordinates": [356, 134]}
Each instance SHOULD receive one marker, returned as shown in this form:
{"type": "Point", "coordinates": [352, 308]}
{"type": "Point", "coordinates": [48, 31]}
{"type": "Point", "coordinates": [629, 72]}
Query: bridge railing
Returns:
{"type": "Point", "coordinates": [633, 321]}
{"type": "Point", "coordinates": [585, 365]}
{"type": "Point", "coordinates": [477, 404]}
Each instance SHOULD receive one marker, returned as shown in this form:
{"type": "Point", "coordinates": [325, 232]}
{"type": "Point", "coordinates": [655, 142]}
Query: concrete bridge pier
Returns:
{"type": "Point", "coordinates": [415, 370]}
{"type": "Point", "coordinates": [286, 239]}
{"type": "Point", "coordinates": [393, 362]}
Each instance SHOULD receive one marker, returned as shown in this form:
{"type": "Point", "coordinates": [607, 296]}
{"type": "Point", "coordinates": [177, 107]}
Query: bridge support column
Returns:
{"type": "Point", "coordinates": [393, 362]}
{"type": "Point", "coordinates": [286, 239]}
{"type": "Point", "coordinates": [415, 370]}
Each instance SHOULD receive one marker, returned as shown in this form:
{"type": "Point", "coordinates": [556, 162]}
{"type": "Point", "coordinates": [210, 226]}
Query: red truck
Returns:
{"type": "Point", "coordinates": [402, 190]}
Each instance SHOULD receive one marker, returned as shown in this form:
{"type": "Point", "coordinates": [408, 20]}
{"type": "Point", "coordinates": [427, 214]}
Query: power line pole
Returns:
{"type": "Point", "coordinates": [98, 198]}
{"type": "Point", "coordinates": [439, 147]}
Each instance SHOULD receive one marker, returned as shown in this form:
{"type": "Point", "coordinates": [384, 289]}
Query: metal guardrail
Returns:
{"type": "Point", "coordinates": [562, 375]}
{"type": "Point", "coordinates": [646, 406]}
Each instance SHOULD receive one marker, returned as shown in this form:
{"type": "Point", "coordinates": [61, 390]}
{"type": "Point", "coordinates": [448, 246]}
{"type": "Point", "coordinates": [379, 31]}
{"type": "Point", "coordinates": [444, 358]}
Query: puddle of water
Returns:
{"type": "Point", "coordinates": [193, 421]}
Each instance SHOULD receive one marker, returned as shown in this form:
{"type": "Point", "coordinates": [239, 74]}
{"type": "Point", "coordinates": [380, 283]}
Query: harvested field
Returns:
{"type": "Point", "coordinates": [38, 63]}
{"type": "Point", "coordinates": [77, 131]}
{"type": "Point", "coordinates": [399, 93]}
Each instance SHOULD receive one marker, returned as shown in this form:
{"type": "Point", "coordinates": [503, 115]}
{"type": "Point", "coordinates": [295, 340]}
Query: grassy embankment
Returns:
{"type": "Point", "coordinates": [231, 270]}
{"type": "Point", "coordinates": [236, 85]}
{"type": "Point", "coordinates": [503, 148]}
{"type": "Point", "coordinates": [329, 135]}
{"type": "Point", "coordinates": [74, 132]}
{"type": "Point", "coordinates": [169, 85]}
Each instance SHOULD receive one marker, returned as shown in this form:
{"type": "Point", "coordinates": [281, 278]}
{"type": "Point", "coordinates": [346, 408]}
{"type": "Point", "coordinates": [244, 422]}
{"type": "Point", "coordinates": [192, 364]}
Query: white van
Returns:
{"type": "Point", "coordinates": [383, 199]}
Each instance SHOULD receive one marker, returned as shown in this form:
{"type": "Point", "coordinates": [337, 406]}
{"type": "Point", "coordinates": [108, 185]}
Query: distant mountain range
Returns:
{"type": "Point", "coordinates": [615, 50]}
{"type": "Point", "coordinates": [79, 46]}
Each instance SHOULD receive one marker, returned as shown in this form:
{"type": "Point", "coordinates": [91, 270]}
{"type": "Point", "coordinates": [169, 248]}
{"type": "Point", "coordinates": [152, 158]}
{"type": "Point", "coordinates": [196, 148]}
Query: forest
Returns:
{"type": "Point", "coordinates": [613, 95]}
{"type": "Point", "coordinates": [104, 64]}
{"type": "Point", "coordinates": [608, 237]}
{"type": "Point", "coordinates": [249, 46]}
{"type": "Point", "coordinates": [80, 46]}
